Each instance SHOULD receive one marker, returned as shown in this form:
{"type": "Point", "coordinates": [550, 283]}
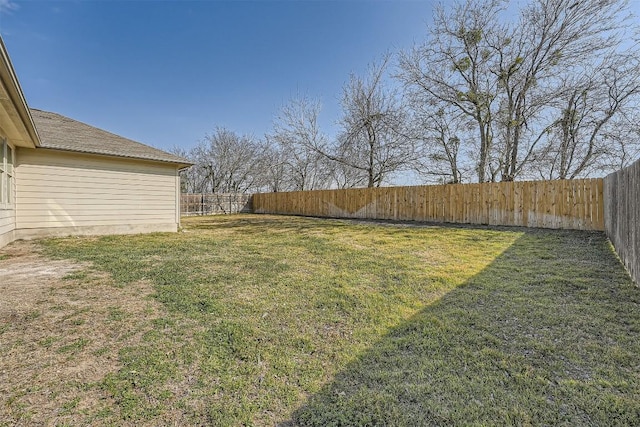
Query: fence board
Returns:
{"type": "Point", "coordinates": [571, 204]}
{"type": "Point", "coordinates": [621, 194]}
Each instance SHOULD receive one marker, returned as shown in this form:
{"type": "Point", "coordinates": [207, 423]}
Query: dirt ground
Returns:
{"type": "Point", "coordinates": [61, 326]}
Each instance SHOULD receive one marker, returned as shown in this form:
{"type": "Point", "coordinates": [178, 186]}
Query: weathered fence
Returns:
{"type": "Point", "coordinates": [212, 204]}
{"type": "Point", "coordinates": [569, 204]}
{"type": "Point", "coordinates": [622, 216]}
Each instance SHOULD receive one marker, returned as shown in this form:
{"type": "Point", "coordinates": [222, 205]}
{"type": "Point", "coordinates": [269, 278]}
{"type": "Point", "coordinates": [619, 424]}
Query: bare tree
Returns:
{"type": "Point", "coordinates": [297, 135]}
{"type": "Point", "coordinates": [453, 66]}
{"type": "Point", "coordinates": [596, 129]}
{"type": "Point", "coordinates": [227, 163]}
{"type": "Point", "coordinates": [344, 176]}
{"type": "Point", "coordinates": [509, 77]}
{"type": "Point", "coordinates": [374, 139]}
{"type": "Point", "coordinates": [553, 38]}
{"type": "Point", "coordinates": [189, 178]}
{"type": "Point", "coordinates": [440, 132]}
{"type": "Point", "coordinates": [274, 168]}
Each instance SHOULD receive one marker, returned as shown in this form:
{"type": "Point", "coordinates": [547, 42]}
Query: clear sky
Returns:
{"type": "Point", "coordinates": [167, 72]}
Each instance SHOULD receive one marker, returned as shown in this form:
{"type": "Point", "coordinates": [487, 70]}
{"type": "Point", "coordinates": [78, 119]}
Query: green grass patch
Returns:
{"type": "Point", "coordinates": [116, 314]}
{"type": "Point", "coordinates": [76, 275]}
{"type": "Point", "coordinates": [325, 322]}
{"type": "Point", "coordinates": [48, 342]}
{"type": "Point", "coordinates": [32, 315]}
{"type": "Point", "coordinates": [75, 346]}
{"type": "Point", "coordinates": [69, 406]}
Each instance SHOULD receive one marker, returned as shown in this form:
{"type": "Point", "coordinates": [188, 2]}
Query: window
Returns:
{"type": "Point", "coordinates": [6, 173]}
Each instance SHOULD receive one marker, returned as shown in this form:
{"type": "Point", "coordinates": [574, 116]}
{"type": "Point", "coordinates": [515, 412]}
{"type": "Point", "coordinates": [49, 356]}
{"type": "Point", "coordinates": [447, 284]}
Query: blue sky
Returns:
{"type": "Point", "coordinates": [167, 72]}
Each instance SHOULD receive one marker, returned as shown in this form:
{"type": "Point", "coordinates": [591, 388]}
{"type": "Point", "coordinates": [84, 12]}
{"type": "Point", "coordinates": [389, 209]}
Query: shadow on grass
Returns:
{"type": "Point", "coordinates": [548, 334]}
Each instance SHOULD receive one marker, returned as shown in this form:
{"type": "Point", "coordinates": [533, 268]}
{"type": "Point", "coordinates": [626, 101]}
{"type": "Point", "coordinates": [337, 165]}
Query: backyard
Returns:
{"type": "Point", "coordinates": [274, 320]}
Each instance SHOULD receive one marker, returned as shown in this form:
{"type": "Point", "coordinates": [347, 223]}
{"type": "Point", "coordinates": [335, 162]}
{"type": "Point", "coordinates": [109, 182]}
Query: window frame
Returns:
{"type": "Point", "coordinates": [7, 175]}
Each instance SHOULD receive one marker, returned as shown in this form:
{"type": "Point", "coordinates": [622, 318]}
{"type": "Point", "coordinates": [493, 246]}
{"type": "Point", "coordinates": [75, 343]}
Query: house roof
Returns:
{"type": "Point", "coordinates": [62, 133]}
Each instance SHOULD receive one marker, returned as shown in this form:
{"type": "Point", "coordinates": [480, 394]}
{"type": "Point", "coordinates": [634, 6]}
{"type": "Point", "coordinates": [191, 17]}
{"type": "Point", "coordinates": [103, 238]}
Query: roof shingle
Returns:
{"type": "Point", "coordinates": [62, 133]}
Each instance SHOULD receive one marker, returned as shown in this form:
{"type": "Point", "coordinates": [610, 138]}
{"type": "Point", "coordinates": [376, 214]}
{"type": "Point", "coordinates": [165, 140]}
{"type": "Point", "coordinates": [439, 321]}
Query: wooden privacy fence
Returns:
{"type": "Point", "coordinates": [570, 204]}
{"type": "Point", "coordinates": [212, 204]}
{"type": "Point", "coordinates": [622, 216]}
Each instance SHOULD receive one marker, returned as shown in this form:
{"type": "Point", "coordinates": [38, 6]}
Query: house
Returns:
{"type": "Point", "coordinates": [60, 177]}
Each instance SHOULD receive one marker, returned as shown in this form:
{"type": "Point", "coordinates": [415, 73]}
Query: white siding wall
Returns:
{"type": "Point", "coordinates": [57, 189]}
{"type": "Point", "coordinates": [7, 225]}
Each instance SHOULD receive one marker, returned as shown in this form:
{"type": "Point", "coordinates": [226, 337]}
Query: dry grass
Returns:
{"type": "Point", "coordinates": [62, 326]}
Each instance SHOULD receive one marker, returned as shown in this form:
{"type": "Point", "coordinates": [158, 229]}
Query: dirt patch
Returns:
{"type": "Point", "coordinates": [24, 277]}
{"type": "Point", "coordinates": [61, 327]}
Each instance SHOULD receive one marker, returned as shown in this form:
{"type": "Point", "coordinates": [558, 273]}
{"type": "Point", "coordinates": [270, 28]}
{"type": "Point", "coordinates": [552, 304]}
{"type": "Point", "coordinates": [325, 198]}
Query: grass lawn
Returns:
{"type": "Point", "coordinates": [265, 320]}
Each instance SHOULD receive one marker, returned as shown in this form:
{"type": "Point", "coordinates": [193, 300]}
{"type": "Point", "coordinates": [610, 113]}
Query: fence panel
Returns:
{"type": "Point", "coordinates": [571, 204]}
{"type": "Point", "coordinates": [214, 204]}
{"type": "Point", "coordinates": [622, 216]}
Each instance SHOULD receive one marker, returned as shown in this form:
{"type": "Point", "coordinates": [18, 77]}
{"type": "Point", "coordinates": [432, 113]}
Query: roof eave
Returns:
{"type": "Point", "coordinates": [179, 164]}
{"type": "Point", "coordinates": [18, 102]}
